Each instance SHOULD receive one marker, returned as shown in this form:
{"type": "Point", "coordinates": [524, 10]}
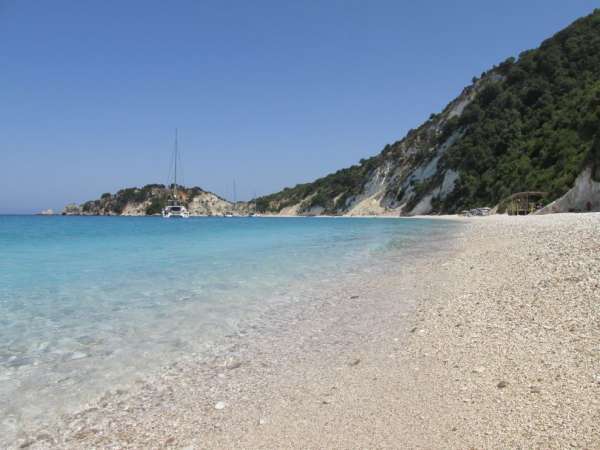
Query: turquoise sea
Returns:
{"type": "Point", "coordinates": [90, 302]}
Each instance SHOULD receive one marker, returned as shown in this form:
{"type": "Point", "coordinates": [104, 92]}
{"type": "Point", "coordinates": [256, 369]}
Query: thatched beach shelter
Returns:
{"type": "Point", "coordinates": [522, 203]}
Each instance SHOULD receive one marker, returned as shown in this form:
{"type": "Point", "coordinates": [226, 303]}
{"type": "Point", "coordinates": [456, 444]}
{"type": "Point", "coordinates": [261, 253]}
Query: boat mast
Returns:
{"type": "Point", "coordinates": [175, 187]}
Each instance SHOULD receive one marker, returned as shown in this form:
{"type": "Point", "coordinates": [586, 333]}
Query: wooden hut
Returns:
{"type": "Point", "coordinates": [522, 203]}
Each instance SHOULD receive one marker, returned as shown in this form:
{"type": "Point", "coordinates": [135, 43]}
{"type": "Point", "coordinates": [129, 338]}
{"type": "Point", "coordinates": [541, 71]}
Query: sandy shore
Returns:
{"type": "Point", "coordinates": [492, 342]}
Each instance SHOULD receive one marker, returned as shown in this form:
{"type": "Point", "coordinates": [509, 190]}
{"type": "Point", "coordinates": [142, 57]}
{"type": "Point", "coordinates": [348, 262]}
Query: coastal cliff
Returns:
{"type": "Point", "coordinates": [149, 200]}
{"type": "Point", "coordinates": [531, 123]}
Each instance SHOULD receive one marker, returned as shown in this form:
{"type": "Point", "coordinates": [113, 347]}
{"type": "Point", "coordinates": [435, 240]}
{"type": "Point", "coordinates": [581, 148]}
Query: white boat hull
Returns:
{"type": "Point", "coordinates": [175, 212]}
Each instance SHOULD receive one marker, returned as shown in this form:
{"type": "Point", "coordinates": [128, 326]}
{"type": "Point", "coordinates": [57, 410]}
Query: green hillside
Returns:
{"type": "Point", "coordinates": [531, 123]}
{"type": "Point", "coordinates": [537, 127]}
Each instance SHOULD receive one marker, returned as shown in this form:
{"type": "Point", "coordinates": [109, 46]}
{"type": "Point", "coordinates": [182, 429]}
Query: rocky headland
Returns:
{"type": "Point", "coordinates": [151, 199]}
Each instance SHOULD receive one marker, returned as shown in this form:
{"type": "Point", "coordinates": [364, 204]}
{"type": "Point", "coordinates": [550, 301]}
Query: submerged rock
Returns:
{"type": "Point", "coordinates": [78, 355]}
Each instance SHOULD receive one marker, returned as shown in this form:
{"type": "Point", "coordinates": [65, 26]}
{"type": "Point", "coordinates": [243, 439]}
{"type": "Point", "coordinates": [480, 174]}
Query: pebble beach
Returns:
{"type": "Point", "coordinates": [490, 341]}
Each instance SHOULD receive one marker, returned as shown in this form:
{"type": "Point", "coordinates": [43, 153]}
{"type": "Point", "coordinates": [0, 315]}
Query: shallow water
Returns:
{"type": "Point", "coordinates": [90, 302]}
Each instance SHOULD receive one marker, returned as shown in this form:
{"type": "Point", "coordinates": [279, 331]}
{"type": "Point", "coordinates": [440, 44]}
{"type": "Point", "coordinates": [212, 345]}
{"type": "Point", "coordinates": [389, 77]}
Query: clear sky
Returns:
{"type": "Point", "coordinates": [269, 93]}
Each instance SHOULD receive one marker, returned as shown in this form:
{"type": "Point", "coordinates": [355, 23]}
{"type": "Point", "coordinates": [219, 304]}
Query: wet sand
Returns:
{"type": "Point", "coordinates": [493, 341]}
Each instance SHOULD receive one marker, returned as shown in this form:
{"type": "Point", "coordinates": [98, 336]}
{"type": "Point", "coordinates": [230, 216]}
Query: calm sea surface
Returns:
{"type": "Point", "coordinates": [87, 302]}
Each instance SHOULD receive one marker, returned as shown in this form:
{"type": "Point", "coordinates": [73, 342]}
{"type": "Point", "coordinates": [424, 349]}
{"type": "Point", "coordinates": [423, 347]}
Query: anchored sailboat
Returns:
{"type": "Point", "coordinates": [174, 208]}
{"type": "Point", "coordinates": [230, 213]}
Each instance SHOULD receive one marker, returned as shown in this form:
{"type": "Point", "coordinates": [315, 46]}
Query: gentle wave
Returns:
{"type": "Point", "coordinates": [87, 303]}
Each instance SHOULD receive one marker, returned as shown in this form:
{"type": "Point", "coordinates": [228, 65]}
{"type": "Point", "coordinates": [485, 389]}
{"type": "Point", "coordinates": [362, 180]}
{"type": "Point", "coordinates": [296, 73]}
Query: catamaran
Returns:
{"type": "Point", "coordinates": [174, 209]}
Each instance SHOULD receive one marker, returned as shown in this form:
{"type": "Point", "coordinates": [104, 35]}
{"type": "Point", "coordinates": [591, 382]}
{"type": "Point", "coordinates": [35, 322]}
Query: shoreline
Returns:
{"type": "Point", "coordinates": [488, 343]}
{"type": "Point", "coordinates": [456, 217]}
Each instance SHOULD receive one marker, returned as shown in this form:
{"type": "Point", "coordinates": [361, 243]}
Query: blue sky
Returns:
{"type": "Point", "coordinates": [269, 93]}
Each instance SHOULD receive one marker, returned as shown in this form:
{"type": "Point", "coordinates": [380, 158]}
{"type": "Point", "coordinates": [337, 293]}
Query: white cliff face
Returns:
{"type": "Point", "coordinates": [407, 176]}
{"type": "Point", "coordinates": [135, 209]}
{"type": "Point", "coordinates": [293, 210]}
{"type": "Point", "coordinates": [399, 186]}
{"type": "Point", "coordinates": [403, 177]}
{"type": "Point", "coordinates": [208, 204]}
{"type": "Point", "coordinates": [584, 196]}
{"type": "Point", "coordinates": [369, 201]}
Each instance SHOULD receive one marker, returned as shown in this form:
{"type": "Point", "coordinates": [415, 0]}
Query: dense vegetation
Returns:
{"type": "Point", "coordinates": [534, 124]}
{"type": "Point", "coordinates": [536, 127]}
{"type": "Point", "coordinates": [329, 192]}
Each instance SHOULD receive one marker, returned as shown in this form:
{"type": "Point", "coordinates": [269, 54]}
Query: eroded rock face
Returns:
{"type": "Point", "coordinates": [584, 196]}
{"type": "Point", "coordinates": [135, 209]}
{"type": "Point", "coordinates": [208, 204]}
{"type": "Point", "coordinates": [404, 179]}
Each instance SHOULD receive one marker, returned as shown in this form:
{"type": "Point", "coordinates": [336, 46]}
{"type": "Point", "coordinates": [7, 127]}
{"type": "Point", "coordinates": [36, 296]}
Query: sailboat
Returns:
{"type": "Point", "coordinates": [174, 209]}
{"type": "Point", "coordinates": [230, 213]}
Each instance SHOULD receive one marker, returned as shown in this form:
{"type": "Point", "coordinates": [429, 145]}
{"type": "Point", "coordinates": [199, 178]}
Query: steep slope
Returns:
{"type": "Point", "coordinates": [584, 196]}
{"type": "Point", "coordinates": [531, 123]}
{"type": "Point", "coordinates": [150, 200]}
